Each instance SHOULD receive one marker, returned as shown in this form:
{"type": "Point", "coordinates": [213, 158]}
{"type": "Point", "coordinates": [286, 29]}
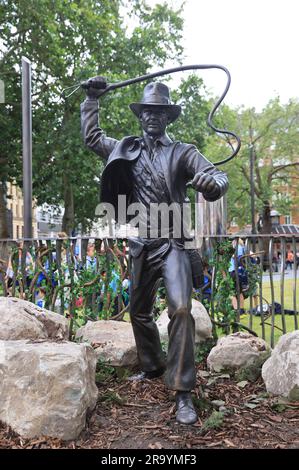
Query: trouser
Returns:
{"type": "Point", "coordinates": [173, 266]}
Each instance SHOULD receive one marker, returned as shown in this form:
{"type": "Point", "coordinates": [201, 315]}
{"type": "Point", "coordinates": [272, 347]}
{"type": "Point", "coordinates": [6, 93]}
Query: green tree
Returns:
{"type": "Point", "coordinates": [68, 42]}
{"type": "Point", "coordinates": [192, 126]}
{"type": "Point", "coordinates": [272, 136]}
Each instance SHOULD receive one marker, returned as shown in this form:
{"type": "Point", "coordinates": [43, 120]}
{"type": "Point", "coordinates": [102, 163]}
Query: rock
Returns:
{"type": "Point", "coordinates": [46, 388]}
{"type": "Point", "coordinates": [113, 341]}
{"type": "Point", "coordinates": [238, 351]}
{"type": "Point", "coordinates": [203, 373]}
{"type": "Point", "coordinates": [203, 324]}
{"type": "Point", "coordinates": [224, 410]}
{"type": "Point", "coordinates": [20, 319]}
{"type": "Point", "coordinates": [242, 384]}
{"type": "Point", "coordinates": [218, 403]}
{"type": "Point", "coordinates": [281, 371]}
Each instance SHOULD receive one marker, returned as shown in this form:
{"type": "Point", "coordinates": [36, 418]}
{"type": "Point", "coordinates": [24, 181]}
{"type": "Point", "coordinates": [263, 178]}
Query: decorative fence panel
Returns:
{"type": "Point", "coordinates": [88, 279]}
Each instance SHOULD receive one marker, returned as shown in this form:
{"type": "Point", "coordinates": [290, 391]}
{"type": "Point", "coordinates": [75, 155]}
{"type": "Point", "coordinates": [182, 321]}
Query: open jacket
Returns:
{"type": "Point", "coordinates": [180, 161]}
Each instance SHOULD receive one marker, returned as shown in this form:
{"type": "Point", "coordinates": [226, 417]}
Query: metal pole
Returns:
{"type": "Point", "coordinates": [211, 216]}
{"type": "Point", "coordinates": [253, 227]}
{"type": "Point", "coordinates": [27, 146]}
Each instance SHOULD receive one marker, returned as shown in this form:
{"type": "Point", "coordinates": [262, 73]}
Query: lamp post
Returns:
{"type": "Point", "coordinates": [252, 199]}
{"type": "Point", "coordinates": [27, 146]}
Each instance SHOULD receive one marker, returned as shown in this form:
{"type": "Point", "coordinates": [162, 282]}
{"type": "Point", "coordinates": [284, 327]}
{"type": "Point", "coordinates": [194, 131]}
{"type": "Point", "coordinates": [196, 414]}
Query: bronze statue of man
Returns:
{"type": "Point", "coordinates": [152, 169]}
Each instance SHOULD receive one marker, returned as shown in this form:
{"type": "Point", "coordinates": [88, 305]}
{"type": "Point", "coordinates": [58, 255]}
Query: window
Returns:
{"type": "Point", "coordinates": [287, 219]}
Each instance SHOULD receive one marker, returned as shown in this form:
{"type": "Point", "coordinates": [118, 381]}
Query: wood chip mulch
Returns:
{"type": "Point", "coordinates": [141, 415]}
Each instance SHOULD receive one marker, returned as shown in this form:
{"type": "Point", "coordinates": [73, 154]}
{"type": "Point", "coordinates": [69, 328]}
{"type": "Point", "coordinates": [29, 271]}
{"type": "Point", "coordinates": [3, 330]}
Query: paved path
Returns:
{"type": "Point", "coordinates": [288, 274]}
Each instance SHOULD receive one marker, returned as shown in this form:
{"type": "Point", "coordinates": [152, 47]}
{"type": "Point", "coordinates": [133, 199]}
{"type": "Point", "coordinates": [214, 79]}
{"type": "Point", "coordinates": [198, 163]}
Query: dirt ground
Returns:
{"type": "Point", "coordinates": [141, 415]}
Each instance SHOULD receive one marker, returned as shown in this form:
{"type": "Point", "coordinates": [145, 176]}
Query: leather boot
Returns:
{"type": "Point", "coordinates": [186, 413]}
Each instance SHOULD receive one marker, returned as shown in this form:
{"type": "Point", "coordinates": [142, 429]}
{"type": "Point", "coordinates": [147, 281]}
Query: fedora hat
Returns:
{"type": "Point", "coordinates": [156, 94]}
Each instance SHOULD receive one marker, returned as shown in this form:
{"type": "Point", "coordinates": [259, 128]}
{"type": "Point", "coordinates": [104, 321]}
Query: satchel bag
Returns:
{"type": "Point", "coordinates": [197, 268]}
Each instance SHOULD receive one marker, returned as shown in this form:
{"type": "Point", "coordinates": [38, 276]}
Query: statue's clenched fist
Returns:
{"type": "Point", "coordinates": [95, 86]}
{"type": "Point", "coordinates": [204, 183]}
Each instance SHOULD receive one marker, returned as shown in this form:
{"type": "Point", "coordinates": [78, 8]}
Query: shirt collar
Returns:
{"type": "Point", "coordinates": [164, 140]}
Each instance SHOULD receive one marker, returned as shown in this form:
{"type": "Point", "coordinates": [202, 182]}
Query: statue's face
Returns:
{"type": "Point", "coordinates": [154, 121]}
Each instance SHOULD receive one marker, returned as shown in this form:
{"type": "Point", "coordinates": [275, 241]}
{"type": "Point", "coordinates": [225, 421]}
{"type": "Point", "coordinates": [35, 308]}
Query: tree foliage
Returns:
{"type": "Point", "coordinates": [68, 42]}
{"type": "Point", "coordinates": [272, 136]}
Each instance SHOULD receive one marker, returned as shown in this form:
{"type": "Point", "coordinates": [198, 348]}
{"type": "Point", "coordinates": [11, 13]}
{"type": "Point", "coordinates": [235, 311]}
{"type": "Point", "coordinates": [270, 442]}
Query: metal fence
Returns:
{"type": "Point", "coordinates": [59, 274]}
{"type": "Point", "coordinates": [268, 285]}
{"type": "Point", "coordinates": [250, 283]}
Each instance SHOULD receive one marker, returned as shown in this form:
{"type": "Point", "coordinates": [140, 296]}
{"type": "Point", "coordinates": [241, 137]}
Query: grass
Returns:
{"type": "Point", "coordinates": [214, 421]}
{"type": "Point", "coordinates": [288, 304]}
{"type": "Point", "coordinates": [257, 326]}
{"type": "Point", "coordinates": [288, 292]}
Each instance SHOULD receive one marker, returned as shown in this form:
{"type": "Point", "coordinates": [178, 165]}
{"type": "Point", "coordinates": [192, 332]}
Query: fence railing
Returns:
{"type": "Point", "coordinates": [266, 286]}
{"type": "Point", "coordinates": [250, 283]}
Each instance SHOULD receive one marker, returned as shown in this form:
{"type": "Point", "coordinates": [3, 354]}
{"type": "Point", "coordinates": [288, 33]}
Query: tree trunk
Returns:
{"type": "Point", "coordinates": [4, 229]}
{"type": "Point", "coordinates": [265, 229]}
{"type": "Point", "coordinates": [266, 219]}
{"type": "Point", "coordinates": [69, 214]}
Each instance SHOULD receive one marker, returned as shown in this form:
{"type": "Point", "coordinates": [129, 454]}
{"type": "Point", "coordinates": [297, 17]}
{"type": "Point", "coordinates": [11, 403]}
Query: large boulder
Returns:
{"type": "Point", "coordinates": [20, 319]}
{"type": "Point", "coordinates": [46, 388]}
{"type": "Point", "coordinates": [238, 351]}
{"type": "Point", "coordinates": [203, 324]}
{"type": "Point", "coordinates": [281, 371]}
{"type": "Point", "coordinates": [113, 341]}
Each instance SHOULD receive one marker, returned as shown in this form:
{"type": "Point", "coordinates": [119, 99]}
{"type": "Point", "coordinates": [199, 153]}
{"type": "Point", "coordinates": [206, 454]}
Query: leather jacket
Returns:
{"type": "Point", "coordinates": [180, 161]}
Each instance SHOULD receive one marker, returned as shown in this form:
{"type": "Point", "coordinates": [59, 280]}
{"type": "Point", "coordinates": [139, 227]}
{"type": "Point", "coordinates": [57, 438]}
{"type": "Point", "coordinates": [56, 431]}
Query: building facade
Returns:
{"type": "Point", "coordinates": [15, 206]}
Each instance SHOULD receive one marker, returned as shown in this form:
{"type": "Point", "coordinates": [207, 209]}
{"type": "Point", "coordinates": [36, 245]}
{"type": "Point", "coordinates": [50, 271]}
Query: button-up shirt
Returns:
{"type": "Point", "coordinates": [145, 189]}
{"type": "Point", "coordinates": [148, 182]}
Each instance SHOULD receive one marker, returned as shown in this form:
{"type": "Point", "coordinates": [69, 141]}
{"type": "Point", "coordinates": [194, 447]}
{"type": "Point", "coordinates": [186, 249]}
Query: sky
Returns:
{"type": "Point", "coordinates": [257, 40]}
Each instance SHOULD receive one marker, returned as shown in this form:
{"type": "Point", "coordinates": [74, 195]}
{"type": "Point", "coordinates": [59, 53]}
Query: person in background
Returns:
{"type": "Point", "coordinates": [254, 260]}
{"type": "Point", "coordinates": [290, 259]}
{"type": "Point", "coordinates": [91, 259]}
{"type": "Point", "coordinates": [126, 291]}
{"type": "Point", "coordinates": [275, 261]}
{"type": "Point", "coordinates": [41, 282]}
{"type": "Point", "coordinates": [207, 288]}
{"type": "Point", "coordinates": [241, 274]}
